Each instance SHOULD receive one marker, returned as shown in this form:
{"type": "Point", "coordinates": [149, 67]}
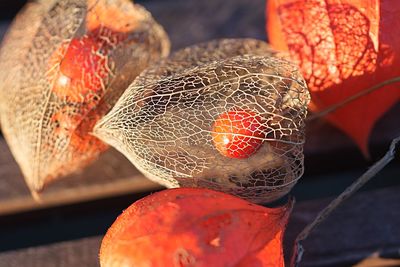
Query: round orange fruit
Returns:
{"type": "Point", "coordinates": [238, 133]}
{"type": "Point", "coordinates": [82, 70]}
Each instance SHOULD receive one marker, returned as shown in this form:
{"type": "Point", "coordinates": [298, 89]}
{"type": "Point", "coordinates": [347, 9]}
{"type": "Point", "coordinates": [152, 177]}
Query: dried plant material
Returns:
{"type": "Point", "coordinates": [64, 64]}
{"type": "Point", "coordinates": [175, 119]}
{"type": "Point", "coordinates": [352, 47]}
{"type": "Point", "coordinates": [195, 227]}
{"type": "Point", "coordinates": [335, 203]}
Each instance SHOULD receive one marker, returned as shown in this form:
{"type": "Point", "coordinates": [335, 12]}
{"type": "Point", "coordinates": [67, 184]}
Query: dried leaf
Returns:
{"type": "Point", "coordinates": [63, 66]}
{"type": "Point", "coordinates": [342, 48]}
{"type": "Point", "coordinates": [195, 227]}
{"type": "Point", "coordinates": [174, 120]}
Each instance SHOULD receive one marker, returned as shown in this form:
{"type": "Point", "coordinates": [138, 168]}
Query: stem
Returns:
{"type": "Point", "coordinates": [348, 192]}
{"type": "Point", "coordinates": [352, 98]}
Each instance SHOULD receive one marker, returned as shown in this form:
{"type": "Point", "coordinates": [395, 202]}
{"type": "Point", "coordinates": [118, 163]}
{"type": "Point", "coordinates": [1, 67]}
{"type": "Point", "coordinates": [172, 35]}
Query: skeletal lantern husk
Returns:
{"type": "Point", "coordinates": [48, 127]}
{"type": "Point", "coordinates": [164, 121]}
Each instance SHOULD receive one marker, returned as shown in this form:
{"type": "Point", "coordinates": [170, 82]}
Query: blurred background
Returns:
{"type": "Point", "coordinates": [65, 229]}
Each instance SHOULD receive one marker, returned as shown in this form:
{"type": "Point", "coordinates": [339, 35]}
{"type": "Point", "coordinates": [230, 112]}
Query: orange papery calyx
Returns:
{"type": "Point", "coordinates": [195, 227]}
{"type": "Point", "coordinates": [354, 46]}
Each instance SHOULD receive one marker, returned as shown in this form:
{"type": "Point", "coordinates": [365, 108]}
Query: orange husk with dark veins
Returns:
{"type": "Point", "coordinates": [64, 65]}
{"type": "Point", "coordinates": [195, 227]}
{"type": "Point", "coordinates": [343, 48]}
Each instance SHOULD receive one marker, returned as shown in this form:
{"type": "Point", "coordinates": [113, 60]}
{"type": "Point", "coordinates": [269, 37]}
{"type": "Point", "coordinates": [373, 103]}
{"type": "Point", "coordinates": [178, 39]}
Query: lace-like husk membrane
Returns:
{"type": "Point", "coordinates": [164, 121]}
{"type": "Point", "coordinates": [31, 111]}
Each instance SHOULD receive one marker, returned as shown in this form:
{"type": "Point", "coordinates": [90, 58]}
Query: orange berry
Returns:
{"type": "Point", "coordinates": [82, 70]}
{"type": "Point", "coordinates": [238, 133]}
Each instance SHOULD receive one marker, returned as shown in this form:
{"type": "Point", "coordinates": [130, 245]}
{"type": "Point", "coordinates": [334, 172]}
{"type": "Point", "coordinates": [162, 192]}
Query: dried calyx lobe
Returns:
{"type": "Point", "coordinates": [165, 121]}
{"type": "Point", "coordinates": [67, 69]}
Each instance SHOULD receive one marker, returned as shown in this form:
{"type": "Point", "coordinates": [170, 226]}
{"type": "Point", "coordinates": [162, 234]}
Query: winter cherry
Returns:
{"type": "Point", "coordinates": [82, 70]}
{"type": "Point", "coordinates": [238, 133]}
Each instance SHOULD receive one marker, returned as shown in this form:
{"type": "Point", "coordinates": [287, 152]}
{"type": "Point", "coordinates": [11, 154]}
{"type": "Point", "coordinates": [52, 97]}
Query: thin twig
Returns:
{"type": "Point", "coordinates": [352, 98]}
{"type": "Point", "coordinates": [348, 192]}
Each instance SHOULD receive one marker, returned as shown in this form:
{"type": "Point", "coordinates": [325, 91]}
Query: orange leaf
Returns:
{"type": "Point", "coordinates": [195, 227]}
{"type": "Point", "coordinates": [342, 47]}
